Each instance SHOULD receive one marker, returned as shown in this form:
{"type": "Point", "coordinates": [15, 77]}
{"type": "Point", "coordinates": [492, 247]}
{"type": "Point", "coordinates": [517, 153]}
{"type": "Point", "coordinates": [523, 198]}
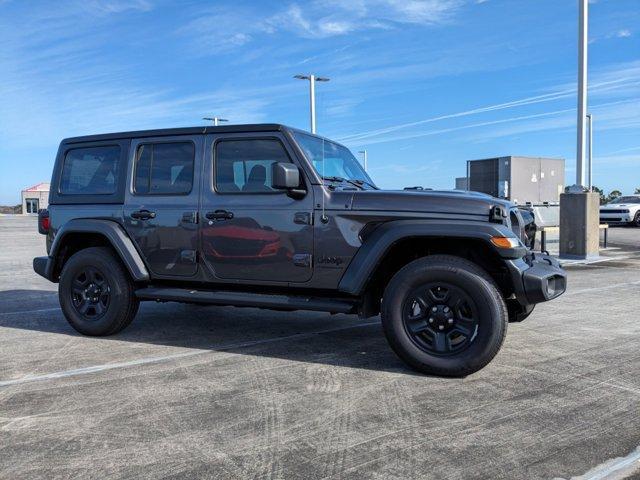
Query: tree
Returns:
{"type": "Point", "coordinates": [600, 192]}
{"type": "Point", "coordinates": [613, 195]}
{"type": "Point", "coordinates": [637, 192]}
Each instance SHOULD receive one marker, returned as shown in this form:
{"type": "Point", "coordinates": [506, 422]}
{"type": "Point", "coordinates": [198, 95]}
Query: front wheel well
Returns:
{"type": "Point", "coordinates": [409, 249]}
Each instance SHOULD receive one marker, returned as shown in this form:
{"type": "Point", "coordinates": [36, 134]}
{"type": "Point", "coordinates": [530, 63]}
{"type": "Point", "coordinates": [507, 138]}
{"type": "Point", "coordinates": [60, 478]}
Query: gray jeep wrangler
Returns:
{"type": "Point", "coordinates": [268, 216]}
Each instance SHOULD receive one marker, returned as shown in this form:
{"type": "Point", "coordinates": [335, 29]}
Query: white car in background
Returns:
{"type": "Point", "coordinates": [624, 209]}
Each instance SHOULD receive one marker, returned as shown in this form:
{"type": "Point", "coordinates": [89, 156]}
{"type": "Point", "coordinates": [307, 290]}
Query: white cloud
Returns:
{"type": "Point", "coordinates": [106, 7]}
{"type": "Point", "coordinates": [624, 33]}
{"type": "Point", "coordinates": [222, 29]}
{"type": "Point", "coordinates": [616, 80]}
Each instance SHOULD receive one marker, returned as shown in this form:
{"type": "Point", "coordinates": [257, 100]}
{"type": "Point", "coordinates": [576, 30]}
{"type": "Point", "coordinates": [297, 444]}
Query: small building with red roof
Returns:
{"type": "Point", "coordinates": [35, 198]}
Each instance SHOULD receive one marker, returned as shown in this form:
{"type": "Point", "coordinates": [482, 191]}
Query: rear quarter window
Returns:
{"type": "Point", "coordinates": [90, 171]}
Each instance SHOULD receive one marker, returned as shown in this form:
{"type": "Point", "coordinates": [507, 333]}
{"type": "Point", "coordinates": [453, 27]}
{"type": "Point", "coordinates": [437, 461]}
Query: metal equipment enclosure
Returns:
{"type": "Point", "coordinates": [522, 180]}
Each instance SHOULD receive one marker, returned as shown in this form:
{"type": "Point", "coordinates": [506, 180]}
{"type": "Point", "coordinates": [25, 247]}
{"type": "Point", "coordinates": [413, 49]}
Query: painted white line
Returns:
{"type": "Point", "coordinates": [166, 358]}
{"type": "Point", "coordinates": [580, 263]}
{"type": "Point", "coordinates": [24, 312]}
{"type": "Point", "coordinates": [616, 468]}
{"type": "Point", "coordinates": [605, 287]}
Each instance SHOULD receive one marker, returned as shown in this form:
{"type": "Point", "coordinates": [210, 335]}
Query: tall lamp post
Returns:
{"type": "Point", "coordinates": [364, 158]}
{"type": "Point", "coordinates": [215, 120]}
{"type": "Point", "coordinates": [312, 96]}
{"type": "Point", "coordinates": [583, 35]}
{"type": "Point", "coordinates": [590, 142]}
{"type": "Point", "coordinates": [579, 208]}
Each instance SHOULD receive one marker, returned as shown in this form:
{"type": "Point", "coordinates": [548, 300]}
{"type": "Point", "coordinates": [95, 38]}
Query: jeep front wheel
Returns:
{"type": "Point", "coordinates": [96, 293]}
{"type": "Point", "coordinates": [443, 315]}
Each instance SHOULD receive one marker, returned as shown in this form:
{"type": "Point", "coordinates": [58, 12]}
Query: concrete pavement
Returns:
{"type": "Point", "coordinates": [213, 392]}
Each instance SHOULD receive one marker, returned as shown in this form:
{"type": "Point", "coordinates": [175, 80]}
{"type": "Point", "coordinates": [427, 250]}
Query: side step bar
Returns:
{"type": "Point", "coordinates": [246, 299]}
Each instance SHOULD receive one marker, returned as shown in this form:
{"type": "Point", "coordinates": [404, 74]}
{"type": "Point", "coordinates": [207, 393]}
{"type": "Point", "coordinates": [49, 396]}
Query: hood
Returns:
{"type": "Point", "coordinates": [428, 201]}
{"type": "Point", "coordinates": [618, 206]}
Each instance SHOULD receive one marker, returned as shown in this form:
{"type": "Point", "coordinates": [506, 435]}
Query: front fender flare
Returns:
{"type": "Point", "coordinates": [376, 246]}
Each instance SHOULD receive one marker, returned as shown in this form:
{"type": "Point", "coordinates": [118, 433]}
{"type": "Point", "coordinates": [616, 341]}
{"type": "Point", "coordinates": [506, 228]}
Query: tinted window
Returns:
{"type": "Point", "coordinates": [164, 168]}
{"type": "Point", "coordinates": [245, 165]}
{"type": "Point", "coordinates": [90, 171]}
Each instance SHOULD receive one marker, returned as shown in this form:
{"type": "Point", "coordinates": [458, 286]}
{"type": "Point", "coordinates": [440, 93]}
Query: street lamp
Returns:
{"type": "Point", "coordinates": [364, 158]}
{"type": "Point", "coordinates": [215, 120]}
{"type": "Point", "coordinates": [312, 95]}
{"type": "Point", "coordinates": [590, 142]}
{"type": "Point", "coordinates": [583, 45]}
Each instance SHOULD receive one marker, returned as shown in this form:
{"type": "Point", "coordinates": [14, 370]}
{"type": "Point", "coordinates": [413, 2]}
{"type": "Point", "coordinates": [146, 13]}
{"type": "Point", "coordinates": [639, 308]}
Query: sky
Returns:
{"type": "Point", "coordinates": [423, 86]}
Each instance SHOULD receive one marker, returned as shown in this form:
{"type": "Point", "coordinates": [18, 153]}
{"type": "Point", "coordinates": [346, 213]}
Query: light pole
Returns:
{"type": "Point", "coordinates": [215, 120]}
{"type": "Point", "coordinates": [583, 34]}
{"type": "Point", "coordinates": [364, 158]}
{"type": "Point", "coordinates": [312, 95]}
{"type": "Point", "coordinates": [590, 141]}
{"type": "Point", "coordinates": [579, 218]}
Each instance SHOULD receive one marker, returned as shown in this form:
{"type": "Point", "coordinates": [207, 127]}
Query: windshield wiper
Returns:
{"type": "Point", "coordinates": [335, 179]}
{"type": "Point", "coordinates": [355, 182]}
{"type": "Point", "coordinates": [364, 182]}
{"type": "Point", "coordinates": [344, 180]}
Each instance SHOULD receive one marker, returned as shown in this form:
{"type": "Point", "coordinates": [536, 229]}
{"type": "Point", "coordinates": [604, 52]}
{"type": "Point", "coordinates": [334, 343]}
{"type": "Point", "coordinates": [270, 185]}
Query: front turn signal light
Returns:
{"type": "Point", "coordinates": [505, 242]}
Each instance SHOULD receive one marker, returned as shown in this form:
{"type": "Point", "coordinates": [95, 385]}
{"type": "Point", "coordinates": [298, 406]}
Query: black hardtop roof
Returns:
{"type": "Point", "coordinates": [165, 132]}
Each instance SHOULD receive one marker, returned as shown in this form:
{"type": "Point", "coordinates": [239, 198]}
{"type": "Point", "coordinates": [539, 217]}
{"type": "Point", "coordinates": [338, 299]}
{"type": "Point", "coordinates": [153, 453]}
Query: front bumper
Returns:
{"type": "Point", "coordinates": [615, 217]}
{"type": "Point", "coordinates": [43, 266]}
{"type": "Point", "coordinates": [537, 278]}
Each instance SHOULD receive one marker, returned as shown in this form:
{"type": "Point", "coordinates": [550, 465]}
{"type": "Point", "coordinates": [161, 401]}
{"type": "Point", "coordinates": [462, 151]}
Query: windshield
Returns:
{"type": "Point", "coordinates": [331, 160]}
{"type": "Point", "coordinates": [625, 200]}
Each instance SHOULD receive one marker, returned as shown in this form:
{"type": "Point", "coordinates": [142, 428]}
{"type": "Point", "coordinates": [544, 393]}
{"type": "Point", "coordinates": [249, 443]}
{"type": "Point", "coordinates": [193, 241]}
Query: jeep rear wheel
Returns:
{"type": "Point", "coordinates": [96, 293]}
{"type": "Point", "coordinates": [443, 315]}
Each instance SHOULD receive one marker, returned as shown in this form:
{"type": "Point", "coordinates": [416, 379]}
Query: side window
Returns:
{"type": "Point", "coordinates": [90, 171]}
{"type": "Point", "coordinates": [245, 165]}
{"type": "Point", "coordinates": [164, 168]}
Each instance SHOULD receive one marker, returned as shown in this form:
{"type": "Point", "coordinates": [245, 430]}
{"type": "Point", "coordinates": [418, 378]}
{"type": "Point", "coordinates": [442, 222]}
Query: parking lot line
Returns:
{"type": "Point", "coordinates": [151, 360]}
{"type": "Point", "coordinates": [601, 288]}
{"type": "Point", "coordinates": [23, 312]}
{"type": "Point", "coordinates": [617, 468]}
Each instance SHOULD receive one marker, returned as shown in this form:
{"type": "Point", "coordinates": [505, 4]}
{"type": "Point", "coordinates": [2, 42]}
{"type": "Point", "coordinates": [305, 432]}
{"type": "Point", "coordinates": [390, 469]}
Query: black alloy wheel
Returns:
{"type": "Point", "coordinates": [440, 318]}
{"type": "Point", "coordinates": [91, 293]}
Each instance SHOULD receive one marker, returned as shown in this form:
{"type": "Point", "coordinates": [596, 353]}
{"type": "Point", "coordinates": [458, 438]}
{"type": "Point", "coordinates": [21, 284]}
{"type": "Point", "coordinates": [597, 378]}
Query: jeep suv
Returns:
{"type": "Point", "coordinates": [268, 216]}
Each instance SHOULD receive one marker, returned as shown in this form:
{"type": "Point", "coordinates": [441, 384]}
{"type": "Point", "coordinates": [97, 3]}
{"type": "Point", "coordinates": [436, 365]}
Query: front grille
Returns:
{"type": "Point", "coordinates": [604, 212]}
{"type": "Point", "coordinates": [515, 224]}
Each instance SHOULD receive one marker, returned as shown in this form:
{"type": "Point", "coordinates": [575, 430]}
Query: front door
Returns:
{"type": "Point", "coordinates": [160, 212]}
{"type": "Point", "coordinates": [250, 231]}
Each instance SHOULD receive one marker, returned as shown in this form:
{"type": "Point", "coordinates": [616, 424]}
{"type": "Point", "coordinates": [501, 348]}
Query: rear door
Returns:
{"type": "Point", "coordinates": [161, 206]}
{"type": "Point", "coordinates": [249, 231]}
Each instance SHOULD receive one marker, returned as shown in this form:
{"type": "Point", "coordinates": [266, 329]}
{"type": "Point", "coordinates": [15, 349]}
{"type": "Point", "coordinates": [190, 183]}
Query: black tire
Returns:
{"type": "Point", "coordinates": [479, 310]}
{"type": "Point", "coordinates": [96, 293]}
{"type": "Point", "coordinates": [636, 220]}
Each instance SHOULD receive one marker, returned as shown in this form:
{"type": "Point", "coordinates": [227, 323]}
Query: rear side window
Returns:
{"type": "Point", "coordinates": [245, 165]}
{"type": "Point", "coordinates": [164, 168]}
{"type": "Point", "coordinates": [90, 171]}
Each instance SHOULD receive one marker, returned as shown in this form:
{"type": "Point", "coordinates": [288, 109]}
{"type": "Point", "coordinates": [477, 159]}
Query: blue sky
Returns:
{"type": "Point", "coordinates": [422, 85]}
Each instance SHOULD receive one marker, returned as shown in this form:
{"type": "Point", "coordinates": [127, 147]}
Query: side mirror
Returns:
{"type": "Point", "coordinates": [285, 176]}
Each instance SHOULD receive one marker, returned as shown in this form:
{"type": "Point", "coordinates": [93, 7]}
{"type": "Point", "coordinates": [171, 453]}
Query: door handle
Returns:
{"type": "Point", "coordinates": [219, 215]}
{"type": "Point", "coordinates": [190, 217]}
{"type": "Point", "coordinates": [143, 215]}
